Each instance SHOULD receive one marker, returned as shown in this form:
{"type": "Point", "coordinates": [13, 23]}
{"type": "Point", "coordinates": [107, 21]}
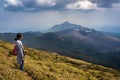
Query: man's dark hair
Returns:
{"type": "Point", "coordinates": [18, 36]}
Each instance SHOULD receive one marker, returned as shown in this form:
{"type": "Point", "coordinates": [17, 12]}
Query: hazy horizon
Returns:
{"type": "Point", "coordinates": [38, 15]}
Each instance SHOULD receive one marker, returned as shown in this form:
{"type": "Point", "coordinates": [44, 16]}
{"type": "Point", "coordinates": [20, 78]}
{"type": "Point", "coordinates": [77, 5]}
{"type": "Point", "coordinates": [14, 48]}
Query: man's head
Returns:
{"type": "Point", "coordinates": [19, 36]}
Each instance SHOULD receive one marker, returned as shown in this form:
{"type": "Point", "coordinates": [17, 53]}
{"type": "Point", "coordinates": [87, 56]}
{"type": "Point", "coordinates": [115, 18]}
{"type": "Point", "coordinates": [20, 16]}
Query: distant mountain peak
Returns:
{"type": "Point", "coordinates": [66, 22]}
{"type": "Point", "coordinates": [65, 26]}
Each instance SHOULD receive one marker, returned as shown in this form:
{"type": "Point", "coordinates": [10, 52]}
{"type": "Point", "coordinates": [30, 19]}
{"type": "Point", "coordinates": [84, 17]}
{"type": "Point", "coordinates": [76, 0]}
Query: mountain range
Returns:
{"type": "Point", "coordinates": [74, 41]}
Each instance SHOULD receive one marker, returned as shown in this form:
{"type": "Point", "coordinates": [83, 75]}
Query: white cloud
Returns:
{"type": "Point", "coordinates": [82, 4]}
{"type": "Point", "coordinates": [116, 5]}
{"type": "Point", "coordinates": [13, 3]}
{"type": "Point", "coordinates": [25, 4]}
{"type": "Point", "coordinates": [46, 2]}
{"type": "Point", "coordinates": [5, 5]}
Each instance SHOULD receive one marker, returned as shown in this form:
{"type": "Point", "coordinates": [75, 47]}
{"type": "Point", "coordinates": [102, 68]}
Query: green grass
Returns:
{"type": "Point", "coordinates": [43, 65]}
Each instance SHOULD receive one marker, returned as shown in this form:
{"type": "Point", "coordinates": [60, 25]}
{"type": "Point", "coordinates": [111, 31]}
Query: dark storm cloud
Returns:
{"type": "Point", "coordinates": [38, 5]}
{"type": "Point", "coordinates": [105, 3]}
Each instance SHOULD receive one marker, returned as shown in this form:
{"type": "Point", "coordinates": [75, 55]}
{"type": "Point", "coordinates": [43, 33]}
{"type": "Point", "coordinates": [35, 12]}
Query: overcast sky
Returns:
{"type": "Point", "coordinates": [37, 15]}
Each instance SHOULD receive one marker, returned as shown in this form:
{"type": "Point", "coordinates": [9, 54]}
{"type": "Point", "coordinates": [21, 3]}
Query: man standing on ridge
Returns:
{"type": "Point", "coordinates": [20, 50]}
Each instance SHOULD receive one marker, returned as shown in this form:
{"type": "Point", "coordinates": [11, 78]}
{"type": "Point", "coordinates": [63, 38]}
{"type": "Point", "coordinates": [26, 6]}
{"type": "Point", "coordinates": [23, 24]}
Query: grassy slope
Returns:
{"type": "Point", "coordinates": [41, 65]}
